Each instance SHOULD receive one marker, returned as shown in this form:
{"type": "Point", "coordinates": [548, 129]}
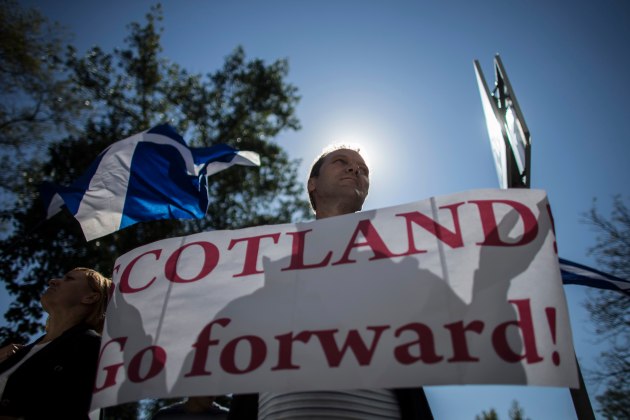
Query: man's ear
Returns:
{"type": "Point", "coordinates": [311, 184]}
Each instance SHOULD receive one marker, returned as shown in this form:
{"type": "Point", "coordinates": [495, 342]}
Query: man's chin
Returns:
{"type": "Point", "coordinates": [360, 199]}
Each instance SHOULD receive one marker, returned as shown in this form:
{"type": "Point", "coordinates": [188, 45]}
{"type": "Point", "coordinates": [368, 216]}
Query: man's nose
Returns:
{"type": "Point", "coordinates": [354, 168]}
{"type": "Point", "coordinates": [53, 281]}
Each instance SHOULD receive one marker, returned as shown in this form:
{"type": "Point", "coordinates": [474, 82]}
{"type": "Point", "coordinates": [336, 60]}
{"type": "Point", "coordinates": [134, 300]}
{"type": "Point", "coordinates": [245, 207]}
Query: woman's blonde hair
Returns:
{"type": "Point", "coordinates": [103, 286]}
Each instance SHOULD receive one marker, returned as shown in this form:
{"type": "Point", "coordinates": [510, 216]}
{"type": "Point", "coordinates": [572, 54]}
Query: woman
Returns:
{"type": "Point", "coordinates": [54, 376]}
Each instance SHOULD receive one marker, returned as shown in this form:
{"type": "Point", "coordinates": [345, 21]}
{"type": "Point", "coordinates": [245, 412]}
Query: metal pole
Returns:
{"type": "Point", "coordinates": [581, 401]}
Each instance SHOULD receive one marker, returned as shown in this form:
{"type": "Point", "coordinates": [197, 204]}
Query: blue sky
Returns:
{"type": "Point", "coordinates": [397, 76]}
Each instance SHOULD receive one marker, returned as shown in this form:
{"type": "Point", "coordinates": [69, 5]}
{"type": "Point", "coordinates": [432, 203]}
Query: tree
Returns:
{"type": "Point", "coordinates": [516, 412]}
{"type": "Point", "coordinates": [487, 415]}
{"type": "Point", "coordinates": [610, 311]}
{"type": "Point", "coordinates": [35, 99]}
{"type": "Point", "coordinates": [245, 103]}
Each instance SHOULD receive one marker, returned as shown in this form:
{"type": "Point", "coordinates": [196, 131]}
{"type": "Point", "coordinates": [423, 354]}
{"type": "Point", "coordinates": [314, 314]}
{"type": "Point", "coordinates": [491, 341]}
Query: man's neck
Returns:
{"type": "Point", "coordinates": [336, 210]}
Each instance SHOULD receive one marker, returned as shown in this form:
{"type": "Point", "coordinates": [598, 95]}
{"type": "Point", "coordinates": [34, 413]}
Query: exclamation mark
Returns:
{"type": "Point", "coordinates": [551, 319]}
{"type": "Point", "coordinates": [553, 228]}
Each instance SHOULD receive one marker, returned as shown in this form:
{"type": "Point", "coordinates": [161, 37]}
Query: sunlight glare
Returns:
{"type": "Point", "coordinates": [367, 142]}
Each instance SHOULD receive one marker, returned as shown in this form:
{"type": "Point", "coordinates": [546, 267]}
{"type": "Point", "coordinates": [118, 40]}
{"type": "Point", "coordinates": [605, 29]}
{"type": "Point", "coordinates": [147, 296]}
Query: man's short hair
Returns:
{"type": "Point", "coordinates": [319, 161]}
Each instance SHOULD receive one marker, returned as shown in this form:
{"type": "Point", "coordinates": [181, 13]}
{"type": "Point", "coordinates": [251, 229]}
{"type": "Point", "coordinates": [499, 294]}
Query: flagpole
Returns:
{"type": "Point", "coordinates": [581, 401]}
{"type": "Point", "coordinates": [516, 170]}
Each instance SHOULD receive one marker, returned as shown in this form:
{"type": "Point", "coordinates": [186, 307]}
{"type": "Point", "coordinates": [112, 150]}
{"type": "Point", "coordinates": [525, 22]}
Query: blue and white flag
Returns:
{"type": "Point", "coordinates": [574, 273]}
{"type": "Point", "coordinates": [149, 176]}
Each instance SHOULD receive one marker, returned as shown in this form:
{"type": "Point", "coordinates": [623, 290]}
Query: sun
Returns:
{"type": "Point", "coordinates": [379, 142]}
{"type": "Point", "coordinates": [357, 137]}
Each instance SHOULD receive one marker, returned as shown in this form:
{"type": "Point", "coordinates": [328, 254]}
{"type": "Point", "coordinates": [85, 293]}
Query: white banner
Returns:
{"type": "Point", "coordinates": [460, 289]}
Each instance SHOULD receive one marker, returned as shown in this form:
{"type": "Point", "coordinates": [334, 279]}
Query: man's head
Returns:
{"type": "Point", "coordinates": [338, 182]}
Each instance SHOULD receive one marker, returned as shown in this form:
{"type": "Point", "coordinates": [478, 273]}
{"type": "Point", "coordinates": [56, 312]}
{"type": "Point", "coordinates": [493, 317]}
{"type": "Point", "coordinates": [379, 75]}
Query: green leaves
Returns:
{"type": "Point", "coordinates": [35, 99]}
{"type": "Point", "coordinates": [246, 103]}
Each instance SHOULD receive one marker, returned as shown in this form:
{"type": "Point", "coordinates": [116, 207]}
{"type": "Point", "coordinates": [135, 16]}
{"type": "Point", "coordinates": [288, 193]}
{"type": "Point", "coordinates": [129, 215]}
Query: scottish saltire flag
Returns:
{"type": "Point", "coordinates": [574, 273]}
{"type": "Point", "coordinates": [149, 176]}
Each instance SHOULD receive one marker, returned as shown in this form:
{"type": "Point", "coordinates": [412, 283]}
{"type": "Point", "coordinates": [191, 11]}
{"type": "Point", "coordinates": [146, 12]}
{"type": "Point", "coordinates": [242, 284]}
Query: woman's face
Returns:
{"type": "Point", "coordinates": [66, 292]}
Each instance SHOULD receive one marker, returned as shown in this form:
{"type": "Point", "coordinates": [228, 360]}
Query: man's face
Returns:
{"type": "Point", "coordinates": [71, 290]}
{"type": "Point", "coordinates": [342, 176]}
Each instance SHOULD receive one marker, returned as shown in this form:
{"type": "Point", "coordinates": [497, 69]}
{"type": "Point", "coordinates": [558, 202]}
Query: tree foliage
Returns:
{"type": "Point", "coordinates": [515, 412]}
{"type": "Point", "coordinates": [488, 415]}
{"type": "Point", "coordinates": [610, 311]}
{"type": "Point", "coordinates": [35, 97]}
{"type": "Point", "coordinates": [109, 96]}
{"type": "Point", "coordinates": [245, 104]}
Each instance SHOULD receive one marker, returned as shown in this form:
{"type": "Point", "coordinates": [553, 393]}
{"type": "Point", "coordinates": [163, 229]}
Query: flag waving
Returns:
{"type": "Point", "coordinates": [574, 273]}
{"type": "Point", "coordinates": [151, 175]}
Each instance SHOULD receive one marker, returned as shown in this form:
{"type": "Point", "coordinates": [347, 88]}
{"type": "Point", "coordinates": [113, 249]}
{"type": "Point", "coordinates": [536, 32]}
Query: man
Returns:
{"type": "Point", "coordinates": [338, 184]}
